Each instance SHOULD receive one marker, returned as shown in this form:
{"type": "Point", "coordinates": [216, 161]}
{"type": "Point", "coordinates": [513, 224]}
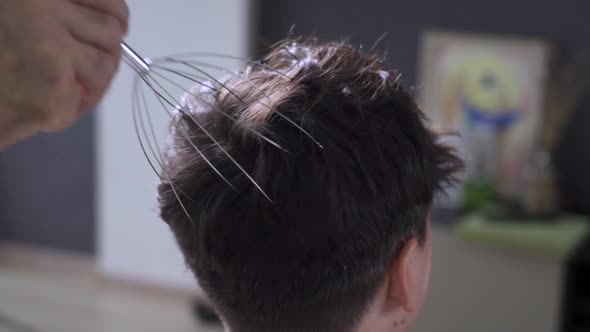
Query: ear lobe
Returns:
{"type": "Point", "coordinates": [403, 283]}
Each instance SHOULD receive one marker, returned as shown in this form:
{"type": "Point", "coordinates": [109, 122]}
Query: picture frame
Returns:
{"type": "Point", "coordinates": [490, 91]}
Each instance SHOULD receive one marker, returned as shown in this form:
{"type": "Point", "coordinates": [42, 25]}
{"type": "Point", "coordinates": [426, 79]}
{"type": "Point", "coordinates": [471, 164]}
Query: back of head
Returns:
{"type": "Point", "coordinates": [354, 177]}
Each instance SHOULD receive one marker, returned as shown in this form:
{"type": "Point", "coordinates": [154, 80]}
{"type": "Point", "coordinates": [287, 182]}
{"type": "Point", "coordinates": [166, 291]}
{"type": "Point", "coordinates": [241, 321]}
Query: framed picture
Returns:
{"type": "Point", "coordinates": [490, 91]}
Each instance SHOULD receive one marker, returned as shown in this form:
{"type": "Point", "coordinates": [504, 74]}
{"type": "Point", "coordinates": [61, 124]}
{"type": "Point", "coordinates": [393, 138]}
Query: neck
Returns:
{"type": "Point", "coordinates": [384, 326]}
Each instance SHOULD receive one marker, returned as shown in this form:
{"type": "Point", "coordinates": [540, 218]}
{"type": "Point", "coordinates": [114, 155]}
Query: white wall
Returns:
{"type": "Point", "coordinates": [133, 243]}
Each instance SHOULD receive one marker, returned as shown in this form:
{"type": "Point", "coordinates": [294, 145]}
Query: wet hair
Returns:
{"type": "Point", "coordinates": [351, 177]}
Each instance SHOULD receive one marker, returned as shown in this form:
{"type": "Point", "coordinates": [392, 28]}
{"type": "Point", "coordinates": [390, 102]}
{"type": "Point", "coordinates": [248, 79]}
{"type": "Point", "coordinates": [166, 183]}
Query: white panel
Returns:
{"type": "Point", "coordinates": [133, 242]}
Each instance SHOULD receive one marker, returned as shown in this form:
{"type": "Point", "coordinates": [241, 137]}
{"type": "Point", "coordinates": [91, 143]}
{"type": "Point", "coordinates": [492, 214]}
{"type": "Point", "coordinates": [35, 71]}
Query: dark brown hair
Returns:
{"type": "Point", "coordinates": [354, 178]}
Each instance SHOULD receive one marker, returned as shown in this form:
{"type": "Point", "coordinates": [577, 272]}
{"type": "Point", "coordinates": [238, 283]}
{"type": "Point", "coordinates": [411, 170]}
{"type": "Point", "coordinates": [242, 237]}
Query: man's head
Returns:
{"type": "Point", "coordinates": [341, 243]}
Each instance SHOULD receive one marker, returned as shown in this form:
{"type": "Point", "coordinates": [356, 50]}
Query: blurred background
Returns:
{"type": "Point", "coordinates": [82, 248]}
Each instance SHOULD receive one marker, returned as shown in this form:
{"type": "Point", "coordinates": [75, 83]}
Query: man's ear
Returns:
{"type": "Point", "coordinates": [405, 279]}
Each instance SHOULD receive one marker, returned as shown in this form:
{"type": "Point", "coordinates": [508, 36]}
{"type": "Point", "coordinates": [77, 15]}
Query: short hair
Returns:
{"type": "Point", "coordinates": [353, 179]}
